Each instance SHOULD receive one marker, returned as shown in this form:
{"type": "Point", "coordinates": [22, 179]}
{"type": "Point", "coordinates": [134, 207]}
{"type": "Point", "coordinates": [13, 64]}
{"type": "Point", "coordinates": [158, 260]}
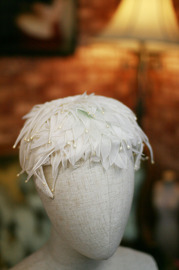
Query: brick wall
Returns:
{"type": "Point", "coordinates": [26, 82]}
{"type": "Point", "coordinates": [161, 121]}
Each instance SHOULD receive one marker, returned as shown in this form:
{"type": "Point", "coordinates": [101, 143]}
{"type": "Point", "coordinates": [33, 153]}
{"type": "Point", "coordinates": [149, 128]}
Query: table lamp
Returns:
{"type": "Point", "coordinates": [143, 26]}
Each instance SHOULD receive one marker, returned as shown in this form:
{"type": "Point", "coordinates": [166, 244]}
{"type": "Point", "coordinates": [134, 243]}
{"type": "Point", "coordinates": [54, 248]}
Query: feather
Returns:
{"type": "Point", "coordinates": [105, 147]}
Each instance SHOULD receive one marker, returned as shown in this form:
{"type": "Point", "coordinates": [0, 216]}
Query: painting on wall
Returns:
{"type": "Point", "coordinates": [37, 27]}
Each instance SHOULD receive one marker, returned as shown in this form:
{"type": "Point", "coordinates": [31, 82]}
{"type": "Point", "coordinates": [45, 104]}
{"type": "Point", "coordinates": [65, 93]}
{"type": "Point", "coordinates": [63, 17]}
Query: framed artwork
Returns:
{"type": "Point", "coordinates": [37, 27]}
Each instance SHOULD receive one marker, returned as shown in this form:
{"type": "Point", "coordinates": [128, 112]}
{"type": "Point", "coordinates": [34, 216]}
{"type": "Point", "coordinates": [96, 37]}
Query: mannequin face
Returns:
{"type": "Point", "coordinates": [90, 207]}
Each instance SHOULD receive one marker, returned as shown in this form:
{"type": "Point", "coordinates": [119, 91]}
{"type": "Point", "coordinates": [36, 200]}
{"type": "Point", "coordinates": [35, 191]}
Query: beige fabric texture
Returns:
{"type": "Point", "coordinates": [89, 213]}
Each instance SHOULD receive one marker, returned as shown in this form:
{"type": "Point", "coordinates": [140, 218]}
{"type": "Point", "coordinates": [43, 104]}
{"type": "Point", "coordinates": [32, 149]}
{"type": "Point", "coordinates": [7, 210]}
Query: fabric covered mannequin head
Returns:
{"type": "Point", "coordinates": [91, 206]}
{"type": "Point", "coordinates": [82, 151]}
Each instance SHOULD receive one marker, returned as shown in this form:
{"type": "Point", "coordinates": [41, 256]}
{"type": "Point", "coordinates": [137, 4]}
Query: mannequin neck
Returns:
{"type": "Point", "coordinates": [62, 256]}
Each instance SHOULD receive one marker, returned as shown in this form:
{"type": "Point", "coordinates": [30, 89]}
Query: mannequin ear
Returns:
{"type": "Point", "coordinates": [45, 186]}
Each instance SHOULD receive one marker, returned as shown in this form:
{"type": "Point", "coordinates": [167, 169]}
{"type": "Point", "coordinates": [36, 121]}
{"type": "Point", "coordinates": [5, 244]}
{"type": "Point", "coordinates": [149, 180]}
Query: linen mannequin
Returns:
{"type": "Point", "coordinates": [89, 203]}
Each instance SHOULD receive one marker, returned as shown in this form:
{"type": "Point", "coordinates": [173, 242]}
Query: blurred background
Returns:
{"type": "Point", "coordinates": [53, 49]}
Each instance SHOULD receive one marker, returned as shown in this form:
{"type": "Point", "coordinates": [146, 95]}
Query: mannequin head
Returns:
{"type": "Point", "coordinates": [82, 151]}
{"type": "Point", "coordinates": [90, 206]}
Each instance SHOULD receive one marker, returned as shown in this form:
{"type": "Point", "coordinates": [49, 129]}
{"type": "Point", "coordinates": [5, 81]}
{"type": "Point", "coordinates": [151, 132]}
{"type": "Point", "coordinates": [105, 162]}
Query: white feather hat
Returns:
{"type": "Point", "coordinates": [67, 130]}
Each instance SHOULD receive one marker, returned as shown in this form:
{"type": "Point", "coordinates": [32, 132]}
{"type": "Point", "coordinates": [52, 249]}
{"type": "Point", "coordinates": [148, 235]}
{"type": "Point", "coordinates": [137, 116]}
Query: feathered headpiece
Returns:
{"type": "Point", "coordinates": [65, 131]}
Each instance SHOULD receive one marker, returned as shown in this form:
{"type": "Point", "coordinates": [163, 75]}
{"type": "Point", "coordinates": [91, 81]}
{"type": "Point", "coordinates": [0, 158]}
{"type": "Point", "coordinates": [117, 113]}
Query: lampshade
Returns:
{"type": "Point", "coordinates": [143, 21]}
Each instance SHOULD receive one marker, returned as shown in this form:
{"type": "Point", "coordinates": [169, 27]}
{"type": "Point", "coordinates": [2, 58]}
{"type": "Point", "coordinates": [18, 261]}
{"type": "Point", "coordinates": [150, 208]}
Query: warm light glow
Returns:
{"type": "Point", "coordinates": [144, 21]}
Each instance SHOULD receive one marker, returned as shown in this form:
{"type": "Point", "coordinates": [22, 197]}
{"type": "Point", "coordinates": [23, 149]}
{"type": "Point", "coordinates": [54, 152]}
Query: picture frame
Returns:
{"type": "Point", "coordinates": [37, 27]}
